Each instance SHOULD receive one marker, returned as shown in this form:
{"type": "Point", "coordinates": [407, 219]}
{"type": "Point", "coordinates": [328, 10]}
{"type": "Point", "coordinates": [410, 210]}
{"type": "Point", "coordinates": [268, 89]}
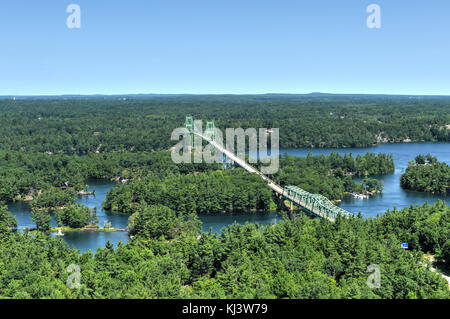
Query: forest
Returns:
{"type": "Point", "coordinates": [50, 183]}
{"type": "Point", "coordinates": [427, 174]}
{"type": "Point", "coordinates": [155, 179]}
{"type": "Point", "coordinates": [136, 124]}
{"type": "Point", "coordinates": [205, 193]}
{"type": "Point", "coordinates": [228, 191]}
{"type": "Point", "coordinates": [49, 148]}
{"type": "Point", "coordinates": [22, 173]}
{"type": "Point", "coordinates": [168, 257]}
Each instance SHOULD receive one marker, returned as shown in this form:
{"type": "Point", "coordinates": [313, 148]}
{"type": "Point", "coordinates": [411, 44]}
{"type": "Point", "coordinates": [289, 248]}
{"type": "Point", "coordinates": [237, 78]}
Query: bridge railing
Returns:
{"type": "Point", "coordinates": [315, 203]}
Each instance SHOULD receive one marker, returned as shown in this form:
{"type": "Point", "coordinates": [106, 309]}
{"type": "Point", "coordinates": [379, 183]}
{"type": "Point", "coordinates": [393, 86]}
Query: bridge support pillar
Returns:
{"type": "Point", "coordinates": [291, 211]}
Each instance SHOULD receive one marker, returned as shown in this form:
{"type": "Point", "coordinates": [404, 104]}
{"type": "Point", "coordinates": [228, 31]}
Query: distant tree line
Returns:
{"type": "Point", "coordinates": [83, 126]}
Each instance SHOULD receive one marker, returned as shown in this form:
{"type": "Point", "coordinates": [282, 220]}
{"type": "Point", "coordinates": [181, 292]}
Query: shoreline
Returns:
{"type": "Point", "coordinates": [66, 229]}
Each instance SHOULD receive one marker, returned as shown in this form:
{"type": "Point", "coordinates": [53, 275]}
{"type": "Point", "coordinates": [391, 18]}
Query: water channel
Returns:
{"type": "Point", "coordinates": [393, 195]}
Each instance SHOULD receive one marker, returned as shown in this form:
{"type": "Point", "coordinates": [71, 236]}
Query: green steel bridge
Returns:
{"type": "Point", "coordinates": [314, 204]}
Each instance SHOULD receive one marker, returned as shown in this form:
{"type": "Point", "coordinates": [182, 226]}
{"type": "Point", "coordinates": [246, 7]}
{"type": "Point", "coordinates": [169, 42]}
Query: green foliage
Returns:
{"type": "Point", "coordinates": [213, 192]}
{"type": "Point", "coordinates": [76, 216]}
{"type": "Point", "coordinates": [204, 193]}
{"type": "Point", "coordinates": [83, 126]}
{"type": "Point", "coordinates": [301, 258]}
{"type": "Point", "coordinates": [42, 218]}
{"type": "Point", "coordinates": [41, 143]}
{"type": "Point", "coordinates": [444, 255]}
{"type": "Point", "coordinates": [427, 175]}
{"type": "Point", "coordinates": [372, 184]}
{"type": "Point", "coordinates": [54, 197]}
{"type": "Point", "coordinates": [160, 221]}
{"type": "Point", "coordinates": [28, 172]}
{"type": "Point", "coordinates": [7, 221]}
{"type": "Point", "coordinates": [425, 228]}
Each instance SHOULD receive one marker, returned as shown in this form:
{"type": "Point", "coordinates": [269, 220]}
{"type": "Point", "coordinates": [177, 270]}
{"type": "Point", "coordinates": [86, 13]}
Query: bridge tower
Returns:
{"type": "Point", "coordinates": [210, 132]}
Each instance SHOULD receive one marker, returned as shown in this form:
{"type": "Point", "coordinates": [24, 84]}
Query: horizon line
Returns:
{"type": "Point", "coordinates": [213, 94]}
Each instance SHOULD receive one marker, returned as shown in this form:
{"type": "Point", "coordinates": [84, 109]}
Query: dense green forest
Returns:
{"type": "Point", "coordinates": [155, 179]}
{"type": "Point", "coordinates": [206, 193]}
{"type": "Point", "coordinates": [82, 126]}
{"type": "Point", "coordinates": [49, 148]}
{"type": "Point", "coordinates": [301, 258]}
{"type": "Point", "coordinates": [76, 216]}
{"type": "Point", "coordinates": [427, 174]}
{"type": "Point", "coordinates": [51, 182]}
{"type": "Point", "coordinates": [21, 173]}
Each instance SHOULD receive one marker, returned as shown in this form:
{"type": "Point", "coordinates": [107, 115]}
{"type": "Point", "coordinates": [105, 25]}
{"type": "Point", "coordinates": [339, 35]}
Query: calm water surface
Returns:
{"type": "Point", "coordinates": [393, 195]}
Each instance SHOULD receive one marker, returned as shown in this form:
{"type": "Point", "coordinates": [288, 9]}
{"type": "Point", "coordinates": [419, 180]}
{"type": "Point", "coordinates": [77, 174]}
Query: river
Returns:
{"type": "Point", "coordinates": [393, 195]}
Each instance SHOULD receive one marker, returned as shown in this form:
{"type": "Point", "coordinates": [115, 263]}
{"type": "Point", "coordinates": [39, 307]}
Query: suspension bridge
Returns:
{"type": "Point", "coordinates": [314, 204]}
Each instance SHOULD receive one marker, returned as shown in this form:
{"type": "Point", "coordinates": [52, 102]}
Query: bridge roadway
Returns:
{"type": "Point", "coordinates": [275, 187]}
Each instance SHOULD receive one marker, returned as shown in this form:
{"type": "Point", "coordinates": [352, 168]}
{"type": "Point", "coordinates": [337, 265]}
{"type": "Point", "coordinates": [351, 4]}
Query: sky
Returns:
{"type": "Point", "coordinates": [231, 47]}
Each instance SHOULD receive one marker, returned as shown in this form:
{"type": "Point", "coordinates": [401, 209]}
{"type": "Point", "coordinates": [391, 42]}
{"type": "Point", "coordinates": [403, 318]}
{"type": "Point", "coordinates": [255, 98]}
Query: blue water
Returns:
{"type": "Point", "coordinates": [92, 240]}
{"type": "Point", "coordinates": [393, 195]}
{"type": "Point", "coordinates": [83, 240]}
{"type": "Point", "coordinates": [217, 222]}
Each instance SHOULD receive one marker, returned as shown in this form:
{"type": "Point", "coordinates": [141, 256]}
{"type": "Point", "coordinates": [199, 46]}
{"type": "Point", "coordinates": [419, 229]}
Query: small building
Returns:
{"type": "Point", "coordinates": [65, 186]}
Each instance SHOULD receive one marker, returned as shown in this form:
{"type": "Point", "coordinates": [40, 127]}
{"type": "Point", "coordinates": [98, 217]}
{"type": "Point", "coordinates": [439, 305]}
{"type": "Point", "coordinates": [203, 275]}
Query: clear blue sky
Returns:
{"type": "Point", "coordinates": [228, 46]}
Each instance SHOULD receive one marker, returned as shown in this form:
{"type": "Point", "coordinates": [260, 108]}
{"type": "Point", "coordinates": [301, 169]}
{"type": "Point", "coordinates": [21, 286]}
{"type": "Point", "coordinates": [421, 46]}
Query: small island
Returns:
{"type": "Point", "coordinates": [70, 216]}
{"type": "Point", "coordinates": [426, 174]}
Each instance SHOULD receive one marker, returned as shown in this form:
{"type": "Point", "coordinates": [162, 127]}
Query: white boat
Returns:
{"type": "Point", "coordinates": [360, 196]}
{"type": "Point", "coordinates": [60, 233]}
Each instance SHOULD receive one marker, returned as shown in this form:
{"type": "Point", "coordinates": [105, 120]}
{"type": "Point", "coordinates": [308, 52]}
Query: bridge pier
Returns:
{"type": "Point", "coordinates": [291, 211]}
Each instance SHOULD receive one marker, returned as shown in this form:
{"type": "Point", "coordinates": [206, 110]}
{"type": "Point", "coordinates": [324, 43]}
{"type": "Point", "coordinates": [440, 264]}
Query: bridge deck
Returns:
{"type": "Point", "coordinates": [314, 209]}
